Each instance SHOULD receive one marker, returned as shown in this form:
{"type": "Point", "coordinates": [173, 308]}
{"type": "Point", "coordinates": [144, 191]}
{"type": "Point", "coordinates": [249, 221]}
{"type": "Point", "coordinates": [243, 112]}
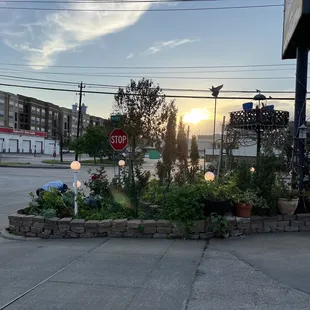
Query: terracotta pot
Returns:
{"type": "Point", "coordinates": [243, 210]}
{"type": "Point", "coordinates": [287, 207]}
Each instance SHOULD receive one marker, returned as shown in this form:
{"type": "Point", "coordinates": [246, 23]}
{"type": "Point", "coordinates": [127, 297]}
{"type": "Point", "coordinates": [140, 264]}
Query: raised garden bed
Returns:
{"type": "Point", "coordinates": [38, 226]}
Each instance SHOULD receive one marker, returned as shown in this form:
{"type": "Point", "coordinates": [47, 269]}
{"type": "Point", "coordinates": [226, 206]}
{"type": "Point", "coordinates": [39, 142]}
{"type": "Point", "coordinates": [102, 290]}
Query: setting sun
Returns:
{"type": "Point", "coordinates": [196, 115]}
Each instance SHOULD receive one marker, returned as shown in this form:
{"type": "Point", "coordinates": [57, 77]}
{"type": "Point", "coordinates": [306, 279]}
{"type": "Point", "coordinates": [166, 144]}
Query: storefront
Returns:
{"type": "Point", "coordinates": [22, 141]}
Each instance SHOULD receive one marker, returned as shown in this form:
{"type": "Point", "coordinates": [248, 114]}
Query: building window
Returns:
{"type": "Point", "coordinates": [33, 119]}
{"type": "Point", "coordinates": [20, 107]}
{"type": "Point", "coordinates": [42, 121]}
{"type": "Point", "coordinates": [37, 120]}
{"type": "Point", "coordinates": [50, 113]}
{"type": "Point", "coordinates": [42, 129]}
{"type": "Point", "coordinates": [33, 109]}
{"type": "Point", "coordinates": [38, 110]}
{"type": "Point", "coordinates": [33, 127]}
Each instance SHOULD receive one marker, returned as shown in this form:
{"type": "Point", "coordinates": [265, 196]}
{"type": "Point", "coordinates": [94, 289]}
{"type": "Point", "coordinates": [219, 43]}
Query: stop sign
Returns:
{"type": "Point", "coordinates": [118, 139]}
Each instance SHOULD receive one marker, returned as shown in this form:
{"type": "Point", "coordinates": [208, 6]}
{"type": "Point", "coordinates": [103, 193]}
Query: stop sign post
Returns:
{"type": "Point", "coordinates": [118, 139]}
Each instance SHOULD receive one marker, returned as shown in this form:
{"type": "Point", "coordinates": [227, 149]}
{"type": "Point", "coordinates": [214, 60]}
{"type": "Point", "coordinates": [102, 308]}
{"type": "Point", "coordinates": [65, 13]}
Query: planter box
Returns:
{"type": "Point", "coordinates": [219, 207]}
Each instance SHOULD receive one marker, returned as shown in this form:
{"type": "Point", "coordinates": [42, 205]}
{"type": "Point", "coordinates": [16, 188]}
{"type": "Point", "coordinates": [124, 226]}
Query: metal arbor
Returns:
{"type": "Point", "coordinates": [259, 118]}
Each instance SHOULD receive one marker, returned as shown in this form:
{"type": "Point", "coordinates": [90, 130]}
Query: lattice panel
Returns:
{"type": "Point", "coordinates": [259, 117]}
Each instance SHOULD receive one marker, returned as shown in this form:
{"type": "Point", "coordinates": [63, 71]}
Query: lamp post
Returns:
{"type": "Point", "coordinates": [302, 135]}
{"type": "Point", "coordinates": [121, 164]}
{"type": "Point", "coordinates": [215, 93]}
{"type": "Point", "coordinates": [75, 167]}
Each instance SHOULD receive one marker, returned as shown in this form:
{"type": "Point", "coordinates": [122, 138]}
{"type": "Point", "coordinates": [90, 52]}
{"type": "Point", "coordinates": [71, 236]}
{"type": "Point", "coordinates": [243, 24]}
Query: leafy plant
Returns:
{"type": "Point", "coordinates": [218, 224]}
{"type": "Point", "coordinates": [182, 205]}
{"type": "Point", "coordinates": [153, 192]}
{"type": "Point", "coordinates": [283, 190]}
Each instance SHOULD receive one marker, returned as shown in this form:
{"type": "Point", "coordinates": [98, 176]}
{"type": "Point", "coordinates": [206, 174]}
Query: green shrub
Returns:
{"type": "Point", "coordinates": [182, 205]}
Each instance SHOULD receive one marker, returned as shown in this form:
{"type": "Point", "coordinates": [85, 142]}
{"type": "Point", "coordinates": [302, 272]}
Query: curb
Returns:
{"type": "Point", "coordinates": [33, 167]}
{"type": "Point", "coordinates": [6, 235]}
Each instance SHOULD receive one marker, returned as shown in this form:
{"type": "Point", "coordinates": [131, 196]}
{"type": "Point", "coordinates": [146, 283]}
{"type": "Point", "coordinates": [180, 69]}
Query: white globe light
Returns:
{"type": "Point", "coordinates": [209, 176]}
{"type": "Point", "coordinates": [78, 184]}
{"type": "Point", "coordinates": [252, 169]}
{"type": "Point", "coordinates": [75, 166]}
{"type": "Point", "coordinates": [121, 163]}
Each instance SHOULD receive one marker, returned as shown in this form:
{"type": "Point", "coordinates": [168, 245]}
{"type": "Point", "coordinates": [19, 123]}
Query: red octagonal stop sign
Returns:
{"type": "Point", "coordinates": [118, 139]}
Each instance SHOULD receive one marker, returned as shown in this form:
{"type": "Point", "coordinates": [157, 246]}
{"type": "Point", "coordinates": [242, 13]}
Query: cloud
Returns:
{"type": "Point", "coordinates": [157, 47]}
{"type": "Point", "coordinates": [130, 55]}
{"type": "Point", "coordinates": [63, 31]}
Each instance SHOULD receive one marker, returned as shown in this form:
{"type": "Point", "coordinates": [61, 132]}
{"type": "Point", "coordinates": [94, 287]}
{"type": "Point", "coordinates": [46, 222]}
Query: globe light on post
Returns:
{"type": "Point", "coordinates": [252, 169]}
{"type": "Point", "coordinates": [75, 167]}
{"type": "Point", "coordinates": [209, 176]}
{"type": "Point", "coordinates": [121, 163]}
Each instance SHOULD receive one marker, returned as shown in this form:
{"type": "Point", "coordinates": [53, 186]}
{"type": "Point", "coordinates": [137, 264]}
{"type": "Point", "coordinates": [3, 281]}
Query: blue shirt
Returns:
{"type": "Point", "coordinates": [53, 184]}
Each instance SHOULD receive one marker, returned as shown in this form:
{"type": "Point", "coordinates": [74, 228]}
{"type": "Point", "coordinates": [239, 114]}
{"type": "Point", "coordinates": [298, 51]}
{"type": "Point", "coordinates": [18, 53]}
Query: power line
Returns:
{"type": "Point", "coordinates": [198, 78]}
{"type": "Point", "coordinates": [148, 10]}
{"type": "Point", "coordinates": [96, 85]}
{"type": "Point", "coordinates": [99, 74]}
{"type": "Point", "coordinates": [104, 1]}
{"type": "Point", "coordinates": [114, 93]}
{"type": "Point", "coordinates": [151, 67]}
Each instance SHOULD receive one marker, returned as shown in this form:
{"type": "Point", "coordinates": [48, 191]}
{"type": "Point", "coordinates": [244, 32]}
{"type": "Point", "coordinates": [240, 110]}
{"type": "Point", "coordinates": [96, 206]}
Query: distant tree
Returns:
{"type": "Point", "coordinates": [165, 167]}
{"type": "Point", "coordinates": [94, 142]}
{"type": "Point", "coordinates": [194, 153]}
{"type": "Point", "coordinates": [182, 154]}
{"type": "Point", "coordinates": [145, 112]}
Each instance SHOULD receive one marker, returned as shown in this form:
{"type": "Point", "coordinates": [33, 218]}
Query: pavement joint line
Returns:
{"type": "Point", "coordinates": [233, 253]}
{"type": "Point", "coordinates": [49, 277]}
{"type": "Point", "coordinates": [149, 274]}
{"type": "Point", "coordinates": [95, 284]}
{"type": "Point", "coordinates": [186, 302]}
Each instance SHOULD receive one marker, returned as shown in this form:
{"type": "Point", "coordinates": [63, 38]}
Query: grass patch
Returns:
{"type": "Point", "coordinates": [87, 162]}
{"type": "Point", "coordinates": [4, 163]}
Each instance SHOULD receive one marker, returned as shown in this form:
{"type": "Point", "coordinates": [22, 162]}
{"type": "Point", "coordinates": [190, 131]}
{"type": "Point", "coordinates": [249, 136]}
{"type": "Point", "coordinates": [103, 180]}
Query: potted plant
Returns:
{"type": "Point", "coordinates": [287, 198]}
{"type": "Point", "coordinates": [244, 203]}
{"type": "Point", "coordinates": [217, 199]}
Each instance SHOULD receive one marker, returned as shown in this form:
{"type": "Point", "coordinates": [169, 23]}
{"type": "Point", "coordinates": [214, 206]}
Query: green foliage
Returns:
{"type": "Point", "coordinates": [194, 154]}
{"type": "Point", "coordinates": [283, 190]}
{"type": "Point", "coordinates": [95, 142]}
{"type": "Point", "coordinates": [153, 192]}
{"type": "Point", "coordinates": [165, 168]}
{"type": "Point", "coordinates": [182, 147]}
{"type": "Point", "coordinates": [243, 176]}
{"type": "Point", "coordinates": [218, 224]}
{"type": "Point", "coordinates": [182, 205]}
{"type": "Point", "coordinates": [146, 110]}
{"type": "Point", "coordinates": [52, 203]}
{"type": "Point", "coordinates": [99, 183]}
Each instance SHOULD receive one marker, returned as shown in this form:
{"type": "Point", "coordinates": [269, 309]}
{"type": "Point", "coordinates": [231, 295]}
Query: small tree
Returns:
{"type": "Point", "coordinates": [145, 113]}
{"type": "Point", "coordinates": [182, 154]}
{"type": "Point", "coordinates": [194, 154]}
{"type": "Point", "coordinates": [165, 167]}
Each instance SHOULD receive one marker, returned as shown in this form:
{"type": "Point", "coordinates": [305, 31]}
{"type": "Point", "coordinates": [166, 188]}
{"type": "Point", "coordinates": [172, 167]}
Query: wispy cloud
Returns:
{"type": "Point", "coordinates": [59, 32]}
{"type": "Point", "coordinates": [157, 47]}
{"type": "Point", "coordinates": [129, 56]}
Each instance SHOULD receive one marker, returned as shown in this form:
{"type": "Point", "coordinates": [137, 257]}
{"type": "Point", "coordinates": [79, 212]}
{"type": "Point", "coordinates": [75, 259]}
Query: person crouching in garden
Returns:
{"type": "Point", "coordinates": [58, 185]}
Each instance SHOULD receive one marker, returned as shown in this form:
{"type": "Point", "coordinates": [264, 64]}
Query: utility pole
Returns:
{"type": "Point", "coordinates": [215, 93]}
{"type": "Point", "coordinates": [300, 113]}
{"type": "Point", "coordinates": [79, 115]}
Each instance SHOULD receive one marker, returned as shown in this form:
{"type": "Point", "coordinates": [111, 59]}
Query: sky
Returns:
{"type": "Point", "coordinates": [34, 42]}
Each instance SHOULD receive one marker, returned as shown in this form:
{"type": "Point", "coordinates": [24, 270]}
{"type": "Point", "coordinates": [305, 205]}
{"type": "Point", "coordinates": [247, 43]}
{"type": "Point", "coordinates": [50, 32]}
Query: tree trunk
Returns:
{"type": "Point", "coordinates": [61, 144]}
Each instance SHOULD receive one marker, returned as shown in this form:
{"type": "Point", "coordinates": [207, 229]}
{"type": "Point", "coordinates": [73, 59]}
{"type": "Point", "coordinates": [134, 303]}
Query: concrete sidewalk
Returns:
{"type": "Point", "coordinates": [97, 274]}
{"type": "Point", "coordinates": [261, 272]}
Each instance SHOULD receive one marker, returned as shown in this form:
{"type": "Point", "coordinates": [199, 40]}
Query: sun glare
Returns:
{"type": "Point", "coordinates": [196, 115]}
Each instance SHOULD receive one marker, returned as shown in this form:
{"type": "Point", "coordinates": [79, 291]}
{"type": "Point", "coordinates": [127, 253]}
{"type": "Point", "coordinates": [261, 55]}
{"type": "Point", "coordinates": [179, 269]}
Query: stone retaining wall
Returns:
{"type": "Point", "coordinates": [38, 226]}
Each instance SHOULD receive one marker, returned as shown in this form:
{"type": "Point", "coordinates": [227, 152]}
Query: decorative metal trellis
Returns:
{"type": "Point", "coordinates": [259, 119]}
